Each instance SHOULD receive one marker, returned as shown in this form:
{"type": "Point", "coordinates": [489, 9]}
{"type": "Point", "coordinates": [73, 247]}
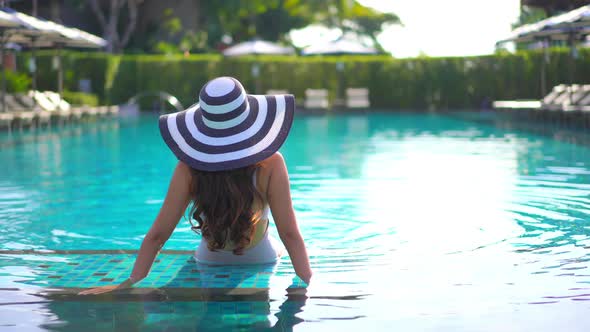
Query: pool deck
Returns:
{"type": "Point", "coordinates": [34, 119]}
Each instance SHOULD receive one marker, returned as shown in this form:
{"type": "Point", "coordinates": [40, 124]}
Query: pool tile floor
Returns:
{"type": "Point", "coordinates": [175, 270]}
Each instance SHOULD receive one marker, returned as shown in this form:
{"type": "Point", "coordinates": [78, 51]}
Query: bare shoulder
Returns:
{"type": "Point", "coordinates": [276, 160]}
{"type": "Point", "coordinates": [181, 177]}
{"type": "Point", "coordinates": [183, 169]}
{"type": "Point", "coordinates": [273, 164]}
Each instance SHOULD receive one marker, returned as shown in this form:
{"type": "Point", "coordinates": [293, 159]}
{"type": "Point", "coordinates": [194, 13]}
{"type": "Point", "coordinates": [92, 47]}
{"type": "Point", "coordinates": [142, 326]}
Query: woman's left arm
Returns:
{"type": "Point", "coordinates": [174, 205]}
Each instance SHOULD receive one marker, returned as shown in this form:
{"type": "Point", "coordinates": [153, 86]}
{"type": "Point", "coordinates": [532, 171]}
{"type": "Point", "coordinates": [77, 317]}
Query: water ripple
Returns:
{"type": "Point", "coordinates": [412, 202]}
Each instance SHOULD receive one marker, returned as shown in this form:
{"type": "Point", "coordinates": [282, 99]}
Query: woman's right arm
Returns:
{"type": "Point", "coordinates": [279, 199]}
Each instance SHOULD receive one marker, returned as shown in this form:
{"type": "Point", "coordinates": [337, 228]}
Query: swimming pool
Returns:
{"type": "Point", "coordinates": [412, 221]}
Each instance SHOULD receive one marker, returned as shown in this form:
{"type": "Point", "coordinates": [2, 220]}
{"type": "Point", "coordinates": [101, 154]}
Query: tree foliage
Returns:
{"type": "Point", "coordinates": [273, 19]}
{"type": "Point", "coordinates": [244, 20]}
{"type": "Point", "coordinates": [233, 21]}
{"type": "Point", "coordinates": [109, 14]}
{"type": "Point", "coordinates": [366, 21]}
{"type": "Point", "coordinates": [529, 15]}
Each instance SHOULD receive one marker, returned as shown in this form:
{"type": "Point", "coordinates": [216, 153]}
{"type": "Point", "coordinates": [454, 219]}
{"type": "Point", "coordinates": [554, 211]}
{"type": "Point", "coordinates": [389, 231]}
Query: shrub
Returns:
{"type": "Point", "coordinates": [17, 82]}
{"type": "Point", "coordinates": [80, 98]}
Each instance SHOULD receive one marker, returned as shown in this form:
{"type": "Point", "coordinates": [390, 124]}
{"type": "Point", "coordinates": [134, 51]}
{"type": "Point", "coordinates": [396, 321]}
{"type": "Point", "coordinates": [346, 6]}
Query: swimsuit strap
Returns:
{"type": "Point", "coordinates": [266, 208]}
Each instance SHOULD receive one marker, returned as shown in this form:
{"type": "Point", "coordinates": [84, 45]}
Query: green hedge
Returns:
{"type": "Point", "coordinates": [417, 83]}
{"type": "Point", "coordinates": [80, 98]}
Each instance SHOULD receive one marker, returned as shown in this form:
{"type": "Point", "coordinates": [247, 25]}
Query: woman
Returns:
{"type": "Point", "coordinates": [230, 169]}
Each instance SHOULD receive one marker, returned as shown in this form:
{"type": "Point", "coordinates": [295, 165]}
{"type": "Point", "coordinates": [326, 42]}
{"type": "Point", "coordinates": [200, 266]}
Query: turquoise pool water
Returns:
{"type": "Point", "coordinates": [413, 222]}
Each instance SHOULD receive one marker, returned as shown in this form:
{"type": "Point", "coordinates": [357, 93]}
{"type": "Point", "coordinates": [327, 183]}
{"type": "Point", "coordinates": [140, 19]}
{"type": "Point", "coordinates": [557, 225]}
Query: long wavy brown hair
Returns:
{"type": "Point", "coordinates": [225, 207]}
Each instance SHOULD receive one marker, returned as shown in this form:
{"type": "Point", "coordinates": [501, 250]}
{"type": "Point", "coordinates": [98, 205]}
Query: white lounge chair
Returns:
{"type": "Point", "coordinates": [21, 114]}
{"type": "Point", "coordinates": [584, 103]}
{"type": "Point", "coordinates": [91, 110]}
{"type": "Point", "coordinates": [579, 100]}
{"type": "Point", "coordinates": [53, 103]}
{"type": "Point", "coordinates": [6, 120]}
{"type": "Point", "coordinates": [357, 98]}
{"type": "Point", "coordinates": [42, 101]}
{"type": "Point", "coordinates": [550, 101]}
{"type": "Point", "coordinates": [77, 113]}
{"type": "Point", "coordinates": [316, 99]}
{"type": "Point", "coordinates": [557, 98]}
{"type": "Point", "coordinates": [40, 116]}
{"type": "Point", "coordinates": [114, 109]}
{"type": "Point", "coordinates": [60, 103]}
{"type": "Point", "coordinates": [277, 92]}
{"type": "Point", "coordinates": [103, 110]}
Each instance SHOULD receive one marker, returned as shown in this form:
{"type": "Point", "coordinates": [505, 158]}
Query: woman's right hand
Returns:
{"type": "Point", "coordinates": [99, 290]}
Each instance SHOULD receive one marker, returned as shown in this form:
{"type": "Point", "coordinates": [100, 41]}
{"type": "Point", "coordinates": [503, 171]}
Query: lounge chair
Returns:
{"type": "Point", "coordinates": [103, 110]}
{"type": "Point", "coordinates": [28, 104]}
{"type": "Point", "coordinates": [277, 92]}
{"type": "Point", "coordinates": [316, 99]}
{"type": "Point", "coordinates": [577, 93]}
{"type": "Point", "coordinates": [23, 116]}
{"type": "Point", "coordinates": [6, 120]}
{"type": "Point", "coordinates": [298, 101]}
{"type": "Point", "coordinates": [114, 110]}
{"type": "Point", "coordinates": [43, 118]}
{"type": "Point", "coordinates": [42, 101]}
{"type": "Point", "coordinates": [357, 98]}
{"type": "Point", "coordinates": [77, 112]}
{"type": "Point", "coordinates": [552, 101]}
{"type": "Point", "coordinates": [52, 102]}
{"type": "Point", "coordinates": [584, 103]}
{"type": "Point", "coordinates": [61, 105]}
{"type": "Point", "coordinates": [13, 105]}
{"type": "Point", "coordinates": [91, 110]}
{"type": "Point", "coordinates": [563, 98]}
{"type": "Point", "coordinates": [27, 101]}
{"type": "Point", "coordinates": [580, 99]}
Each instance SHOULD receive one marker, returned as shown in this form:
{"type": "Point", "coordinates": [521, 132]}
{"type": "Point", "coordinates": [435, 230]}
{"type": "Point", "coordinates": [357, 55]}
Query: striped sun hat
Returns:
{"type": "Point", "coordinates": [227, 128]}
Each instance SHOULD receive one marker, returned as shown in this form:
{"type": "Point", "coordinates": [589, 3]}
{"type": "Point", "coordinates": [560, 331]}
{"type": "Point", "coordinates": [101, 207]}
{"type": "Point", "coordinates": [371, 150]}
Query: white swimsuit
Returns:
{"type": "Point", "coordinates": [268, 250]}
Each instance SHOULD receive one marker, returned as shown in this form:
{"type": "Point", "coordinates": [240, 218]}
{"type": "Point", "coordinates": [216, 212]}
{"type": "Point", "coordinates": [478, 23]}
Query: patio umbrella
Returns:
{"type": "Point", "coordinates": [84, 39]}
{"type": "Point", "coordinates": [576, 22]}
{"type": "Point", "coordinates": [570, 27]}
{"type": "Point", "coordinates": [71, 37]}
{"type": "Point", "coordinates": [30, 32]}
{"type": "Point", "coordinates": [257, 47]}
{"type": "Point", "coordinates": [338, 47]}
{"type": "Point", "coordinates": [35, 33]}
{"type": "Point", "coordinates": [8, 21]}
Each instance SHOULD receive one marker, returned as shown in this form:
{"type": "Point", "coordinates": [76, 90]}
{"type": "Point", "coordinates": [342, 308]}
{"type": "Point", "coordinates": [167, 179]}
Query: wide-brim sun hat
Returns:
{"type": "Point", "coordinates": [228, 128]}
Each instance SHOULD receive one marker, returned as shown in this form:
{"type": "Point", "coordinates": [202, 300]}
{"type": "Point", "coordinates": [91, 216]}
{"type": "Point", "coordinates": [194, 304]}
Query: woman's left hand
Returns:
{"type": "Point", "coordinates": [104, 289]}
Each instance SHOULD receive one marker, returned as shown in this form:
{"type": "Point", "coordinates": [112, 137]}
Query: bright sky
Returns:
{"type": "Point", "coordinates": [436, 27]}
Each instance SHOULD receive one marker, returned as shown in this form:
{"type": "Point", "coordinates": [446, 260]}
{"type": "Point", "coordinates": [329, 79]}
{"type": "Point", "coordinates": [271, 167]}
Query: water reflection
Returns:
{"type": "Point", "coordinates": [230, 314]}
